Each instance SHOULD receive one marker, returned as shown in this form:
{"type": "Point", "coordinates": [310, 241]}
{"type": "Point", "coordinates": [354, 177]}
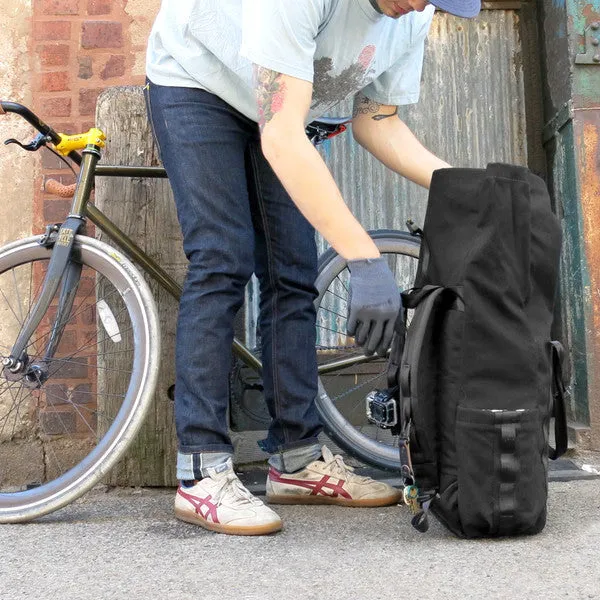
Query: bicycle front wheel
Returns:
{"type": "Point", "coordinates": [61, 432]}
{"type": "Point", "coordinates": [346, 375]}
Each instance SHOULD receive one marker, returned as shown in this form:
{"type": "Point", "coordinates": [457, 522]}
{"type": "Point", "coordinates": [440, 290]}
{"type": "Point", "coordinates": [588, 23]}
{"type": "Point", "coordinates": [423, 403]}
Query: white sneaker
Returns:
{"type": "Point", "coordinates": [329, 481]}
{"type": "Point", "coordinates": [220, 502]}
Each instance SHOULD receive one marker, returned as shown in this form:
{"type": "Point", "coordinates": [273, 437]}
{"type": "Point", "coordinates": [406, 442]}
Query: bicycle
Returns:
{"type": "Point", "coordinates": [89, 313]}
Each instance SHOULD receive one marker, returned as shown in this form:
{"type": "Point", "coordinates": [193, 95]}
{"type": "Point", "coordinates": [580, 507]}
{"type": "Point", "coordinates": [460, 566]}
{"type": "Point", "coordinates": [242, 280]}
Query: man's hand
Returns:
{"type": "Point", "coordinates": [374, 304]}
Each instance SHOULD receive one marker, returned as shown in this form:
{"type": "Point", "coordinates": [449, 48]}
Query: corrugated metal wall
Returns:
{"type": "Point", "coordinates": [471, 112]}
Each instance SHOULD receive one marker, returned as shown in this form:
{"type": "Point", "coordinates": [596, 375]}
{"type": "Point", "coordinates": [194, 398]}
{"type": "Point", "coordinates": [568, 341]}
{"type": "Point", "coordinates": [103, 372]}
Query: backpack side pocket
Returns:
{"type": "Point", "coordinates": [502, 471]}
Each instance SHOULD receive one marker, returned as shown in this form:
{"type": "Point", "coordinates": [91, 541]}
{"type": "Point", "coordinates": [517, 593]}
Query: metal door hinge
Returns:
{"type": "Point", "coordinates": [591, 56]}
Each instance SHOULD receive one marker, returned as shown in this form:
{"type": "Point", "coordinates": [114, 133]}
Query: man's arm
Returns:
{"type": "Point", "coordinates": [283, 103]}
{"type": "Point", "coordinates": [379, 130]}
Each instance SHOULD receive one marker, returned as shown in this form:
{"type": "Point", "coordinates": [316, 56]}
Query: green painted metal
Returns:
{"type": "Point", "coordinates": [591, 55]}
{"type": "Point", "coordinates": [574, 270]}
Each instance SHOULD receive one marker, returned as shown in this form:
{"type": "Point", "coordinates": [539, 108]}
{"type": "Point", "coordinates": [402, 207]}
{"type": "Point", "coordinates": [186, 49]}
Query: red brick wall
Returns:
{"type": "Point", "coordinates": [81, 47]}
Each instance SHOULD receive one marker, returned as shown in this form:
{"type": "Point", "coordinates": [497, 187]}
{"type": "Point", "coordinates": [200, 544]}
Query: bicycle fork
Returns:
{"type": "Point", "coordinates": [62, 268]}
{"type": "Point", "coordinates": [62, 271]}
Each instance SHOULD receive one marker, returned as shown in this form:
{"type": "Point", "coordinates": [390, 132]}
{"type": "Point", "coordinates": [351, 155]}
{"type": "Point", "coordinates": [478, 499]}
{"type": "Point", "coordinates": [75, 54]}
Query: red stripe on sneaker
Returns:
{"type": "Point", "coordinates": [200, 503]}
{"type": "Point", "coordinates": [323, 486]}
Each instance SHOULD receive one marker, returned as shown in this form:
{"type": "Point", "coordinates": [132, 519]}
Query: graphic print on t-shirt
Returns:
{"type": "Point", "coordinates": [340, 46]}
{"type": "Point", "coordinates": [330, 89]}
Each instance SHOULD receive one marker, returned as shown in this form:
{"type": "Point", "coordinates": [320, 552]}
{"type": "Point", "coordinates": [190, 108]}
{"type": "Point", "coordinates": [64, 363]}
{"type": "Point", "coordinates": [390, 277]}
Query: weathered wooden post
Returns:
{"type": "Point", "coordinates": [144, 209]}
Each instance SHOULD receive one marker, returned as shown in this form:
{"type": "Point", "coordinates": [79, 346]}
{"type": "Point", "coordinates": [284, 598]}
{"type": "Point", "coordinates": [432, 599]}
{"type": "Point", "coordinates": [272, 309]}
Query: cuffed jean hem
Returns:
{"type": "Point", "coordinates": [195, 465]}
{"type": "Point", "coordinates": [271, 447]}
{"type": "Point", "coordinates": [201, 448]}
{"type": "Point", "coordinates": [295, 459]}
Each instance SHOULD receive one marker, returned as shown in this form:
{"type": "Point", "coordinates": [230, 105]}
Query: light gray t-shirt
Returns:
{"type": "Point", "coordinates": [341, 46]}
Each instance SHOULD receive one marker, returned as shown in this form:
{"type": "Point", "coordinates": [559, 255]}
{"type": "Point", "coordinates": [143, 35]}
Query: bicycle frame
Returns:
{"type": "Point", "coordinates": [164, 279]}
{"type": "Point", "coordinates": [65, 272]}
{"type": "Point", "coordinates": [148, 264]}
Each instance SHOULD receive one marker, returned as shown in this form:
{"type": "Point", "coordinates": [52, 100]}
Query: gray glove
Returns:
{"type": "Point", "coordinates": [374, 304]}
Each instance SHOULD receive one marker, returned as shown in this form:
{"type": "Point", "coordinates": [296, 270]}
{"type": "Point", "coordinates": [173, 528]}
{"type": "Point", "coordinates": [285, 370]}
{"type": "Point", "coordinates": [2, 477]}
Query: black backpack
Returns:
{"type": "Point", "coordinates": [476, 375]}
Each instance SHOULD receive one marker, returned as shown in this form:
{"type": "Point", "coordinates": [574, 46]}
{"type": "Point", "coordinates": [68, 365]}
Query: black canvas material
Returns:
{"type": "Point", "coordinates": [478, 371]}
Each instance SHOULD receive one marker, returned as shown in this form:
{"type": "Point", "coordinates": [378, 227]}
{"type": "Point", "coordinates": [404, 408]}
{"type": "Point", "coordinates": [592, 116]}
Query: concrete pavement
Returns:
{"type": "Point", "coordinates": [125, 544]}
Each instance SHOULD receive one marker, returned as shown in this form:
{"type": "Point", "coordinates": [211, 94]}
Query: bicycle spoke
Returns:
{"type": "Point", "coordinates": [75, 407]}
{"type": "Point", "coordinates": [10, 307]}
{"type": "Point", "coordinates": [323, 328]}
{"type": "Point", "coordinates": [60, 362]}
{"type": "Point", "coordinates": [72, 318]}
{"type": "Point", "coordinates": [16, 287]}
{"type": "Point", "coordinates": [14, 405]}
{"type": "Point", "coordinates": [335, 295]}
{"type": "Point", "coordinates": [347, 288]}
{"type": "Point", "coordinates": [333, 312]}
{"type": "Point", "coordinates": [63, 400]}
{"type": "Point", "coordinates": [29, 303]}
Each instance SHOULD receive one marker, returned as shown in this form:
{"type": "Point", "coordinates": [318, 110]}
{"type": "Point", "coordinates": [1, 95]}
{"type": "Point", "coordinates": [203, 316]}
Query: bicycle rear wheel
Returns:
{"type": "Point", "coordinates": [59, 437]}
{"type": "Point", "coordinates": [342, 390]}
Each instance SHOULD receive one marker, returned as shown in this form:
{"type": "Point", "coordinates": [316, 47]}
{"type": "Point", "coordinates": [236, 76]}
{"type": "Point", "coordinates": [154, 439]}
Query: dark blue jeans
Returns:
{"type": "Point", "coordinates": [236, 219]}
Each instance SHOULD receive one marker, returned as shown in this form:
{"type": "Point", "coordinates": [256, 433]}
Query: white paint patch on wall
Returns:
{"type": "Point", "coordinates": [17, 168]}
{"type": "Point", "coordinates": [142, 13]}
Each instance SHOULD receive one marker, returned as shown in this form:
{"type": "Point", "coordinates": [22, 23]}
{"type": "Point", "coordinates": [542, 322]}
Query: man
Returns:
{"type": "Point", "coordinates": [232, 84]}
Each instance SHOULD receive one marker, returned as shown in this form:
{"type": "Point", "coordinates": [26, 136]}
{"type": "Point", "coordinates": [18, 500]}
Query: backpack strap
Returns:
{"type": "Point", "coordinates": [559, 412]}
{"type": "Point", "coordinates": [407, 373]}
{"type": "Point", "coordinates": [396, 349]}
{"type": "Point", "coordinates": [416, 495]}
{"type": "Point", "coordinates": [426, 299]}
{"type": "Point", "coordinates": [410, 299]}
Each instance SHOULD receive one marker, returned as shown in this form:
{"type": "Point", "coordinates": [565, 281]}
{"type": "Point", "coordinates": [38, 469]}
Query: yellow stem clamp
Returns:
{"type": "Point", "coordinates": [68, 143]}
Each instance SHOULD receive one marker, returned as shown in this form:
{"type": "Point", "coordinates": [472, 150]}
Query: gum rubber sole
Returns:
{"type": "Point", "coordinates": [194, 519]}
{"type": "Point", "coordinates": [337, 501]}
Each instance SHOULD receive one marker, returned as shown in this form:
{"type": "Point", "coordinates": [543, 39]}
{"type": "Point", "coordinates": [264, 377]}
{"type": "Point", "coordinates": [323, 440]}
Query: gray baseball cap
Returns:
{"type": "Point", "coordinates": [460, 8]}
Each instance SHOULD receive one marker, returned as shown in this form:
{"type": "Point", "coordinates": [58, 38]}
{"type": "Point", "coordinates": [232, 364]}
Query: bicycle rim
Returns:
{"type": "Point", "coordinates": [59, 437]}
{"type": "Point", "coordinates": [342, 392]}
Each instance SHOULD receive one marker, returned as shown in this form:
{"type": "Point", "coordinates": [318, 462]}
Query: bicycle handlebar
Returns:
{"type": "Point", "coordinates": [318, 131]}
{"type": "Point", "coordinates": [31, 118]}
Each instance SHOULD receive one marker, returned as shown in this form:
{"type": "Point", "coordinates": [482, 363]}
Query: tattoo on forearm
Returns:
{"type": "Point", "coordinates": [366, 106]}
{"type": "Point", "coordinates": [270, 94]}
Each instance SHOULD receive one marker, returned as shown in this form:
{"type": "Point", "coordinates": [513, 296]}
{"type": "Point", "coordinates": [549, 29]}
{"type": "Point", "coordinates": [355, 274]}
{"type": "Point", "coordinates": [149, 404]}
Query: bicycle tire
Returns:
{"type": "Point", "coordinates": [91, 443]}
{"type": "Point", "coordinates": [347, 425]}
